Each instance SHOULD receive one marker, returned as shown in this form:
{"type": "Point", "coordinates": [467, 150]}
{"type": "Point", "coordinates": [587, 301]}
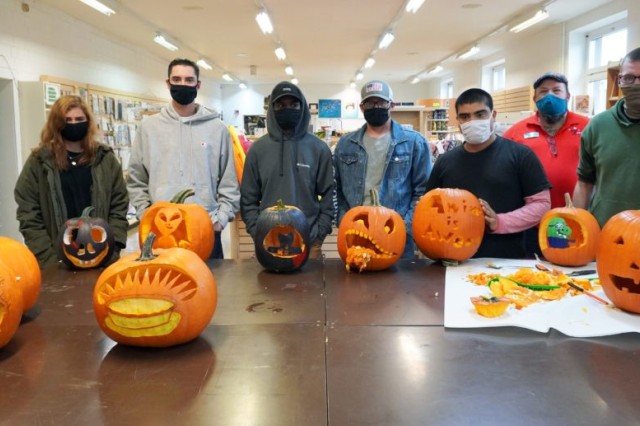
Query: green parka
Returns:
{"type": "Point", "coordinates": [41, 208]}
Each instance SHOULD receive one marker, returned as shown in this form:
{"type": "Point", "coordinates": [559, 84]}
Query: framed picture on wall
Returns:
{"type": "Point", "coordinates": [313, 108]}
{"type": "Point", "coordinates": [329, 108]}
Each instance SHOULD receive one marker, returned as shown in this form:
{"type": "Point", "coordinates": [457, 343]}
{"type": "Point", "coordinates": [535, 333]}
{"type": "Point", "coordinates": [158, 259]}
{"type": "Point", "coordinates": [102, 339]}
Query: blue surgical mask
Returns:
{"type": "Point", "coordinates": [552, 105]}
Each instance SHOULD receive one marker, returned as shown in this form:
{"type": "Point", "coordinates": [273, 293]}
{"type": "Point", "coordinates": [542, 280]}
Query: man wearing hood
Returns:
{"type": "Point", "coordinates": [382, 155]}
{"type": "Point", "coordinates": [185, 146]}
{"type": "Point", "coordinates": [290, 164]}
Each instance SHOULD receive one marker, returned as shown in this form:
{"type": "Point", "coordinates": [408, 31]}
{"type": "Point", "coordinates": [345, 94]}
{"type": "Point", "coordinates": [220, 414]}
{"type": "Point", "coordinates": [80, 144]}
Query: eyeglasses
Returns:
{"type": "Point", "coordinates": [376, 104]}
{"type": "Point", "coordinates": [628, 78]}
{"type": "Point", "coordinates": [553, 148]}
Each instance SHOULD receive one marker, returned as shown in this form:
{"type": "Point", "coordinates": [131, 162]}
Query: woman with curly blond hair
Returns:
{"type": "Point", "coordinates": [68, 171]}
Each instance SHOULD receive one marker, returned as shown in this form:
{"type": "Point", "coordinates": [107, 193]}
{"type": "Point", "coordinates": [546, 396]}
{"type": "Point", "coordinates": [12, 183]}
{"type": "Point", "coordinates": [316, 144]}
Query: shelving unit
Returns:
{"type": "Point", "coordinates": [613, 90]}
{"type": "Point", "coordinates": [413, 116]}
{"type": "Point", "coordinates": [117, 113]}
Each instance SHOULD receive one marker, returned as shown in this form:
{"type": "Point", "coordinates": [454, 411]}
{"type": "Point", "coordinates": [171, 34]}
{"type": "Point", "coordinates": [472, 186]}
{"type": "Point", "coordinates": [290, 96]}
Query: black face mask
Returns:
{"type": "Point", "coordinates": [376, 116]}
{"type": "Point", "coordinates": [184, 95]}
{"type": "Point", "coordinates": [74, 132]}
{"type": "Point", "coordinates": [288, 118]}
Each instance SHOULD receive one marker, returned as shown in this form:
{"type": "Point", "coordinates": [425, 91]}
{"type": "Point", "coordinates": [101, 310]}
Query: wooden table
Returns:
{"type": "Point", "coordinates": [317, 347]}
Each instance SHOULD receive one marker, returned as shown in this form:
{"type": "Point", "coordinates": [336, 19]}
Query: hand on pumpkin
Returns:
{"type": "Point", "coordinates": [490, 217]}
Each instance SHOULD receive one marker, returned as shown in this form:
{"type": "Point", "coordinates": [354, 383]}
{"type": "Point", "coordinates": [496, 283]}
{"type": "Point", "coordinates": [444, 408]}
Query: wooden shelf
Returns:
{"type": "Point", "coordinates": [613, 90]}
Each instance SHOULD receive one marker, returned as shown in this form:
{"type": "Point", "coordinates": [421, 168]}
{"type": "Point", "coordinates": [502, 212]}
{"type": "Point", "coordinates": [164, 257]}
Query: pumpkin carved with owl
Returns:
{"type": "Point", "coordinates": [448, 224]}
{"type": "Point", "coordinates": [155, 299]}
{"type": "Point", "coordinates": [372, 237]}
{"type": "Point", "coordinates": [179, 224]}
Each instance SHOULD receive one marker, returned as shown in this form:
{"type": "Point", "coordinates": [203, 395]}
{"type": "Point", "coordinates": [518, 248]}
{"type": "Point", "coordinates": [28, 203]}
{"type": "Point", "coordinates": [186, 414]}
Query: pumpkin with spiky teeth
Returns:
{"type": "Point", "coordinates": [371, 237]}
{"type": "Point", "coordinates": [155, 299]}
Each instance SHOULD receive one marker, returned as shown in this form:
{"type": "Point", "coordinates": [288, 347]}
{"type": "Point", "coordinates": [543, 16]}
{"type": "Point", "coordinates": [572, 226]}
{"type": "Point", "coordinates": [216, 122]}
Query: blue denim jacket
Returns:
{"type": "Point", "coordinates": [406, 171]}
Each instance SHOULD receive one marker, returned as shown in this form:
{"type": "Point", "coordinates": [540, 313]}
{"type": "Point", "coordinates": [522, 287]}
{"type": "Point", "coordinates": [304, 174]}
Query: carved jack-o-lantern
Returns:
{"type": "Point", "coordinates": [448, 224]}
{"type": "Point", "coordinates": [618, 260]}
{"type": "Point", "coordinates": [85, 242]}
{"type": "Point", "coordinates": [155, 299]}
{"type": "Point", "coordinates": [282, 238]}
{"type": "Point", "coordinates": [178, 224]}
{"type": "Point", "coordinates": [372, 237]}
{"type": "Point", "coordinates": [568, 235]}
{"type": "Point", "coordinates": [11, 304]}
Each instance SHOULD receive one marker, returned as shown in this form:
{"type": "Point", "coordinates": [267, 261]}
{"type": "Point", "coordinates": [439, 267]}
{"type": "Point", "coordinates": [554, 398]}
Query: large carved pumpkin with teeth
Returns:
{"type": "Point", "coordinates": [179, 224]}
{"type": "Point", "coordinates": [85, 242]}
{"type": "Point", "coordinates": [155, 299]}
{"type": "Point", "coordinates": [448, 224]}
{"type": "Point", "coordinates": [372, 237]}
{"type": "Point", "coordinates": [618, 260]}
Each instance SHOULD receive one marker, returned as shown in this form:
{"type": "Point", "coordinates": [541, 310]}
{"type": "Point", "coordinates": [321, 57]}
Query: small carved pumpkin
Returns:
{"type": "Point", "coordinates": [372, 237]}
{"type": "Point", "coordinates": [178, 224]}
{"type": "Point", "coordinates": [85, 242]}
{"type": "Point", "coordinates": [618, 260]}
{"type": "Point", "coordinates": [25, 269]}
{"type": "Point", "coordinates": [448, 224]}
{"type": "Point", "coordinates": [159, 300]}
{"type": "Point", "coordinates": [568, 236]}
{"type": "Point", "coordinates": [282, 238]}
{"type": "Point", "coordinates": [11, 304]}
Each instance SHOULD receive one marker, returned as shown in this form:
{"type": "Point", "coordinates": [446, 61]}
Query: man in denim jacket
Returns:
{"type": "Point", "coordinates": [381, 155]}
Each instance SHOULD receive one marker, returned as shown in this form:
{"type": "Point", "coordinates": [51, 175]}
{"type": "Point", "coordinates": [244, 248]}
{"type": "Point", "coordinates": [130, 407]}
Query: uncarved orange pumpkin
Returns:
{"type": "Point", "coordinates": [448, 224]}
{"type": "Point", "coordinates": [25, 269]}
{"type": "Point", "coordinates": [155, 299]}
{"type": "Point", "coordinates": [568, 236]}
{"type": "Point", "coordinates": [11, 304]}
{"type": "Point", "coordinates": [372, 237]}
{"type": "Point", "coordinates": [618, 260]}
{"type": "Point", "coordinates": [178, 224]}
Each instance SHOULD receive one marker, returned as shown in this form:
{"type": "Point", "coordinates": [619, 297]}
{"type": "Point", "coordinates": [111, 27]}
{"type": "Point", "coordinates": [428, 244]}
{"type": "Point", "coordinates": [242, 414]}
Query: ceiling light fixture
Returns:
{"type": "Point", "coordinates": [288, 70]}
{"type": "Point", "coordinates": [369, 63]}
{"type": "Point", "coordinates": [472, 51]}
{"type": "Point", "coordinates": [415, 80]}
{"type": "Point", "coordinates": [162, 40]}
{"type": "Point", "coordinates": [540, 15]}
{"type": "Point", "coordinates": [227, 77]}
{"type": "Point", "coordinates": [435, 69]}
{"type": "Point", "coordinates": [413, 6]}
{"type": "Point", "coordinates": [294, 81]}
{"type": "Point", "coordinates": [99, 6]}
{"type": "Point", "coordinates": [264, 22]}
{"type": "Point", "coordinates": [359, 76]}
{"type": "Point", "coordinates": [202, 63]}
{"type": "Point", "coordinates": [242, 85]}
{"type": "Point", "coordinates": [352, 84]}
{"type": "Point", "coordinates": [280, 53]}
{"type": "Point", "coordinates": [387, 39]}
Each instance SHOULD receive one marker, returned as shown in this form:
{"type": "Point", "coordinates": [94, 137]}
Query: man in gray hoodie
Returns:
{"type": "Point", "coordinates": [185, 146]}
{"type": "Point", "coordinates": [290, 164]}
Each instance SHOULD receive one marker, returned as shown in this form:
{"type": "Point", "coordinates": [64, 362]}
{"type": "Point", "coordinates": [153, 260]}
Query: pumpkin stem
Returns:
{"type": "Point", "coordinates": [182, 195]}
{"type": "Point", "coordinates": [567, 200]}
{"type": "Point", "coordinates": [86, 213]}
{"type": "Point", "coordinates": [146, 253]}
{"type": "Point", "coordinates": [280, 205]}
{"type": "Point", "coordinates": [375, 201]}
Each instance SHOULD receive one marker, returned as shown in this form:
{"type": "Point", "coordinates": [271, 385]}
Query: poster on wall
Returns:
{"type": "Point", "coordinates": [350, 110]}
{"type": "Point", "coordinates": [329, 108]}
{"type": "Point", "coordinates": [51, 93]}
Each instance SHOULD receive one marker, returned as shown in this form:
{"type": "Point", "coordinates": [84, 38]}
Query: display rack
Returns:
{"type": "Point", "coordinates": [117, 113]}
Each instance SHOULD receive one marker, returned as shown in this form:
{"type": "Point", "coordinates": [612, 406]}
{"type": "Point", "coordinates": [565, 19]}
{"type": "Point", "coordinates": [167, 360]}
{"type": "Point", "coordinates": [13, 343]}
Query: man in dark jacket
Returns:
{"type": "Point", "coordinates": [290, 164]}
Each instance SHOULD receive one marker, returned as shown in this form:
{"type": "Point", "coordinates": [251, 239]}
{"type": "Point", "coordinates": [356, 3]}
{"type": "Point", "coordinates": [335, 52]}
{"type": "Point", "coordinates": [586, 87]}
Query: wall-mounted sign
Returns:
{"type": "Point", "coordinates": [51, 93]}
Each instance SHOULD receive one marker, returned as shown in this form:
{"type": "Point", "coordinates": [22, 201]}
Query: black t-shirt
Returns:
{"type": "Point", "coordinates": [76, 186]}
{"type": "Point", "coordinates": [503, 175]}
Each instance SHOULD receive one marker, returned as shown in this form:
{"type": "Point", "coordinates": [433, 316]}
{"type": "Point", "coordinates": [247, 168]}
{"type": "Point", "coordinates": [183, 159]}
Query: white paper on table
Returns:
{"type": "Point", "coordinates": [575, 316]}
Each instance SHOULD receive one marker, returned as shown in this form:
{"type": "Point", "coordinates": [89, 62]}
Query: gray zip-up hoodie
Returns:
{"type": "Point", "coordinates": [173, 153]}
{"type": "Point", "coordinates": [296, 168]}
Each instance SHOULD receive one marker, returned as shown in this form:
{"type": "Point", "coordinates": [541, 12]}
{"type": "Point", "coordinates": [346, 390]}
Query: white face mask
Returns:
{"type": "Point", "coordinates": [476, 131]}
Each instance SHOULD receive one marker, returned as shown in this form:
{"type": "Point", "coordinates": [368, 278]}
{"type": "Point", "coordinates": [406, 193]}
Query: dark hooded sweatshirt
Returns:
{"type": "Point", "coordinates": [296, 168]}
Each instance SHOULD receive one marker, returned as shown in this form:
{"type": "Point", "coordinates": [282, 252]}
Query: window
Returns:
{"type": "Point", "coordinates": [498, 74]}
{"type": "Point", "coordinates": [446, 89]}
{"type": "Point", "coordinates": [604, 45]}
